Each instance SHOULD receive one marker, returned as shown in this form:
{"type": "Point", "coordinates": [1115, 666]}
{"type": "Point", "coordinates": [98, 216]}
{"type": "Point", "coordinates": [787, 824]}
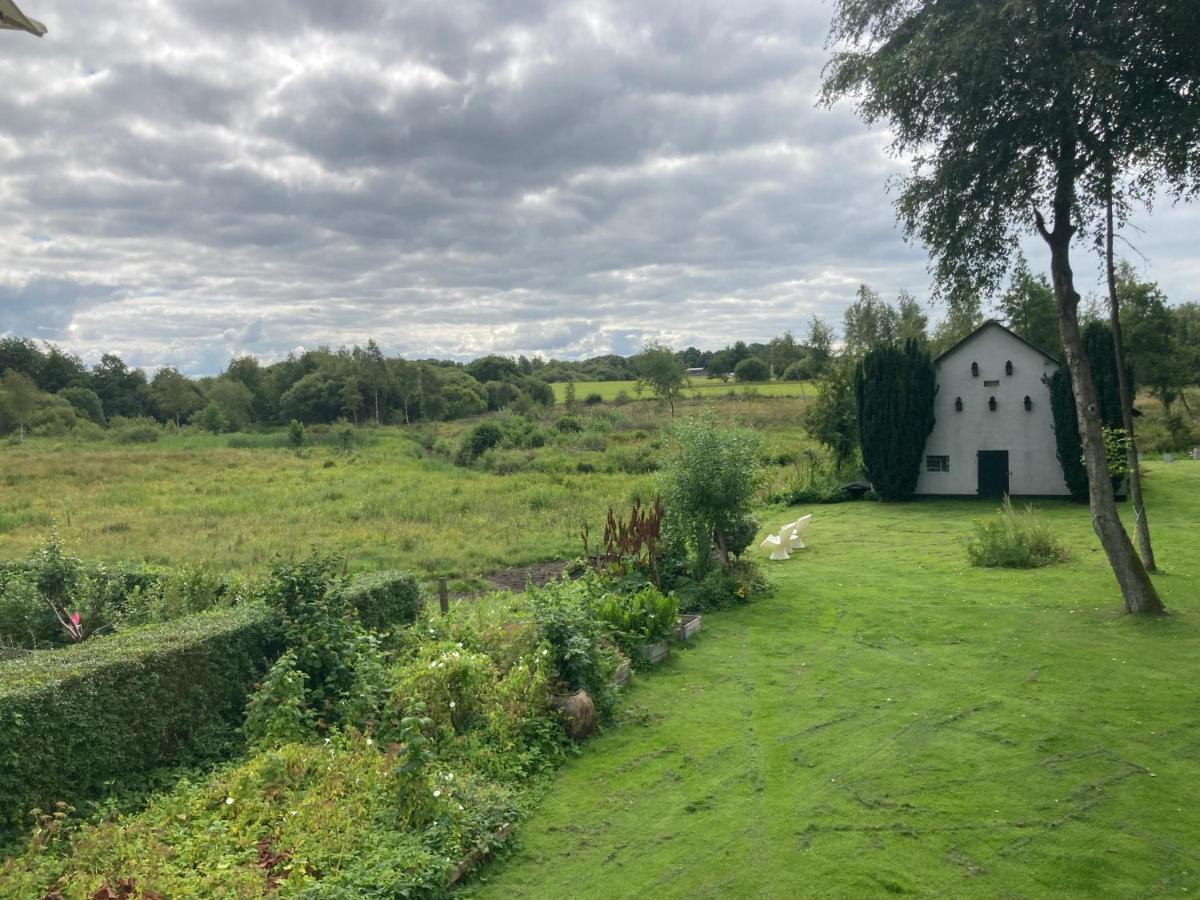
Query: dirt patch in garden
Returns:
{"type": "Point", "coordinates": [519, 578]}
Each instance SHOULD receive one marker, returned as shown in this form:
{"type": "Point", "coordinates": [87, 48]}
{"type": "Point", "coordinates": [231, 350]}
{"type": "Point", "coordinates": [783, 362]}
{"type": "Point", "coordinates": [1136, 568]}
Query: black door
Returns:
{"type": "Point", "coordinates": [993, 473]}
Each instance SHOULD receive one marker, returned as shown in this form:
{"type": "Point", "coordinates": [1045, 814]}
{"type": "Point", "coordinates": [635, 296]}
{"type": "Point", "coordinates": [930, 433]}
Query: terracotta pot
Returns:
{"type": "Point", "coordinates": [577, 711]}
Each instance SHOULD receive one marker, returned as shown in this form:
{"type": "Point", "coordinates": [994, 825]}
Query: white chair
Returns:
{"type": "Point", "coordinates": [777, 545]}
{"type": "Point", "coordinates": [797, 529]}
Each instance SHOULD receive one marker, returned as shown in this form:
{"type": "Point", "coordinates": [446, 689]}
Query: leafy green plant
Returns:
{"type": "Point", "coordinates": [645, 617]}
{"type": "Point", "coordinates": [1014, 539]}
{"type": "Point", "coordinates": [710, 473]}
{"type": "Point", "coordinates": [278, 712]}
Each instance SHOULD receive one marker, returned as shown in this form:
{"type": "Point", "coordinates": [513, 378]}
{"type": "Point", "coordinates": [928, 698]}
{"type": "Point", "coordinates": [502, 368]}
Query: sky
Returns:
{"type": "Point", "coordinates": [185, 181]}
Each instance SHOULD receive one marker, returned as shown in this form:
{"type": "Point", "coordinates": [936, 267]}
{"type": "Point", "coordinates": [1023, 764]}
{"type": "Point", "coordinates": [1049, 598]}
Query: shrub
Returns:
{"type": "Point", "coordinates": [212, 419]}
{"type": "Point", "coordinates": [752, 369]}
{"type": "Point", "coordinates": [322, 628]}
{"type": "Point", "coordinates": [743, 582]}
{"type": "Point", "coordinates": [569, 425]}
{"type": "Point", "coordinates": [1014, 540]}
{"type": "Point", "coordinates": [481, 438]}
{"type": "Point", "coordinates": [592, 399]}
{"type": "Point", "coordinates": [278, 711]}
{"type": "Point", "coordinates": [136, 433]}
{"type": "Point", "coordinates": [708, 482]}
{"type": "Point", "coordinates": [741, 534]}
{"type": "Point", "coordinates": [295, 433]}
{"type": "Point", "coordinates": [118, 707]}
{"type": "Point", "coordinates": [621, 399]}
{"type": "Point", "coordinates": [566, 619]}
{"type": "Point", "coordinates": [384, 600]}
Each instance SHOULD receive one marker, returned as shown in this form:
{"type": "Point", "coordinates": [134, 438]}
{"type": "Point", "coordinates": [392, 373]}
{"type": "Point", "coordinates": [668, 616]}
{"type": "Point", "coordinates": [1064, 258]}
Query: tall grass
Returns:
{"type": "Point", "coordinates": [1014, 539]}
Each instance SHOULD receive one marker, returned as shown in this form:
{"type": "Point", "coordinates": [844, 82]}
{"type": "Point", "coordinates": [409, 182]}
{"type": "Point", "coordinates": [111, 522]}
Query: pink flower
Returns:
{"type": "Point", "coordinates": [75, 619]}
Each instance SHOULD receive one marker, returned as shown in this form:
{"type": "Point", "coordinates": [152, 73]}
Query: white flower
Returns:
{"type": "Point", "coordinates": [229, 801]}
{"type": "Point", "coordinates": [545, 653]}
{"type": "Point", "coordinates": [449, 776]}
{"type": "Point", "coordinates": [370, 742]}
{"type": "Point", "coordinates": [460, 806]}
{"type": "Point", "coordinates": [437, 794]}
{"type": "Point", "coordinates": [452, 704]}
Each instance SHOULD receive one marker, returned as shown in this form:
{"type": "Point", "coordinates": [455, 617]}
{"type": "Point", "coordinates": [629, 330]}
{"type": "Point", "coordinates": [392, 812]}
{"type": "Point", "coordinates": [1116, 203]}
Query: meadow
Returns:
{"type": "Point", "coordinates": [893, 721]}
{"type": "Point", "coordinates": [395, 500]}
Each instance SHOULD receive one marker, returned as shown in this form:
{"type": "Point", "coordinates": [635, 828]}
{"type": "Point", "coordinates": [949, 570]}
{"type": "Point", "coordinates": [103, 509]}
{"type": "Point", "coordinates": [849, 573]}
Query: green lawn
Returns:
{"type": "Point", "coordinates": [703, 387]}
{"type": "Point", "coordinates": [895, 722]}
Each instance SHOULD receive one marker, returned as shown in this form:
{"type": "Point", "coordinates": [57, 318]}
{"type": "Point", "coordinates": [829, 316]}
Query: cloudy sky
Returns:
{"type": "Point", "coordinates": [182, 181]}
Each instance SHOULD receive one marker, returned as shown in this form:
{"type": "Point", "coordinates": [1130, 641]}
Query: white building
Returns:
{"type": "Point", "coordinates": [994, 433]}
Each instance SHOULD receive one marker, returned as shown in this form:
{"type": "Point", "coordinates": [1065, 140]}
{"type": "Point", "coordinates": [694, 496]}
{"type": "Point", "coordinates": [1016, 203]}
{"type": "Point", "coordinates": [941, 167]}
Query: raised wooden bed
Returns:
{"type": "Point", "coordinates": [621, 677]}
{"type": "Point", "coordinates": [688, 626]}
{"type": "Point", "coordinates": [655, 653]}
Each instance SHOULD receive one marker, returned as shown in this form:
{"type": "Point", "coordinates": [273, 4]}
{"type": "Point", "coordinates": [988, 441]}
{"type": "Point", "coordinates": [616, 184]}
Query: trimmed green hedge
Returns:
{"type": "Point", "coordinates": [384, 600]}
{"type": "Point", "coordinates": [118, 707]}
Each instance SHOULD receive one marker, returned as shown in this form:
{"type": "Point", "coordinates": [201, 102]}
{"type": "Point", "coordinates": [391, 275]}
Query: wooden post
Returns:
{"type": "Point", "coordinates": [443, 596]}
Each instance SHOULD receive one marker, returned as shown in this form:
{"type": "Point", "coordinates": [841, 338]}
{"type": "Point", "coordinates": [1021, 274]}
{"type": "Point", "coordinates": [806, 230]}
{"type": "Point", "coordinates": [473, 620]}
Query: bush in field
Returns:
{"type": "Point", "coordinates": [212, 419]}
{"type": "Point", "coordinates": [752, 369]}
{"type": "Point", "coordinates": [709, 476]}
{"type": "Point", "coordinates": [384, 601]}
{"type": "Point", "coordinates": [569, 425]}
{"type": "Point", "coordinates": [1014, 539]}
{"type": "Point", "coordinates": [295, 433]}
{"type": "Point", "coordinates": [593, 399]}
{"type": "Point", "coordinates": [134, 431]}
{"type": "Point", "coordinates": [481, 438]}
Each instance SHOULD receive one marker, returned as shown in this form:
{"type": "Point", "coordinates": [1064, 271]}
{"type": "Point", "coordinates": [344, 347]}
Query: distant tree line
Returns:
{"type": "Point", "coordinates": [45, 388]}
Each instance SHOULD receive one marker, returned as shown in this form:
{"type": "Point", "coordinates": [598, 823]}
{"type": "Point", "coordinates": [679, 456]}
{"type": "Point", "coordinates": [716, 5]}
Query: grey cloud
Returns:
{"type": "Point", "coordinates": [558, 176]}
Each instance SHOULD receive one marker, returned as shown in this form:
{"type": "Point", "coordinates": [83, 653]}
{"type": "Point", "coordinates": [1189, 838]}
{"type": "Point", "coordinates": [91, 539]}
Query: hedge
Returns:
{"type": "Point", "coordinates": [114, 708]}
{"type": "Point", "coordinates": [384, 600]}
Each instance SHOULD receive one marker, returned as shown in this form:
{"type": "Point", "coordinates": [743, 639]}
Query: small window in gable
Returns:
{"type": "Point", "coordinates": [958, 404]}
{"type": "Point", "coordinates": [937, 463]}
{"type": "Point", "coordinates": [991, 384]}
{"type": "Point", "coordinates": [1008, 368]}
{"type": "Point", "coordinates": [992, 403]}
{"type": "Point", "coordinates": [975, 369]}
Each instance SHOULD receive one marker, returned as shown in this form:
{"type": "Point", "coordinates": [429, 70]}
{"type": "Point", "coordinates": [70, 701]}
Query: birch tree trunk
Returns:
{"type": "Point", "coordinates": [1136, 587]}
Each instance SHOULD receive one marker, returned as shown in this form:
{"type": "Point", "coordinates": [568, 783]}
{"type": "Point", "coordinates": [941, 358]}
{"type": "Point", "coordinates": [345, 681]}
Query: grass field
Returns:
{"type": "Point", "coordinates": [895, 722]}
{"type": "Point", "coordinates": [697, 387]}
{"type": "Point", "coordinates": [389, 504]}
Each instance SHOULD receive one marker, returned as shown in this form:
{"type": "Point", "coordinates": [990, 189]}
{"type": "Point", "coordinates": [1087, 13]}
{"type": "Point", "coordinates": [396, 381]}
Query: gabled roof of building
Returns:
{"type": "Point", "coordinates": [988, 324]}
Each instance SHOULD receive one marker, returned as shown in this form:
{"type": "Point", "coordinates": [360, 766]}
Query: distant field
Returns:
{"type": "Point", "coordinates": [705, 387]}
{"type": "Point", "coordinates": [391, 503]}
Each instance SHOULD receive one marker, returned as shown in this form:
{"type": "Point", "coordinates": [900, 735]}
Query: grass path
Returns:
{"type": "Point", "coordinates": [895, 722]}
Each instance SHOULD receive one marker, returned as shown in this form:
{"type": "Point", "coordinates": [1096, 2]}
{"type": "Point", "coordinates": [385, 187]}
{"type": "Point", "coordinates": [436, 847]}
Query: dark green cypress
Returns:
{"type": "Point", "coordinates": [894, 389]}
{"type": "Point", "coordinates": [1102, 361]}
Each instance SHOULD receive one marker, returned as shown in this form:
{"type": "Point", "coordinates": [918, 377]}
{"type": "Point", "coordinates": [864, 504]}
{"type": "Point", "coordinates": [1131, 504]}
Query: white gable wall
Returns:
{"type": "Point", "coordinates": [1034, 469]}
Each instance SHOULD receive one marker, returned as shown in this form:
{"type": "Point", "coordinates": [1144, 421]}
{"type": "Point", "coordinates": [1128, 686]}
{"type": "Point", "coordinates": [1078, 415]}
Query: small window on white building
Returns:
{"type": "Point", "coordinates": [937, 463]}
{"type": "Point", "coordinates": [991, 384]}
